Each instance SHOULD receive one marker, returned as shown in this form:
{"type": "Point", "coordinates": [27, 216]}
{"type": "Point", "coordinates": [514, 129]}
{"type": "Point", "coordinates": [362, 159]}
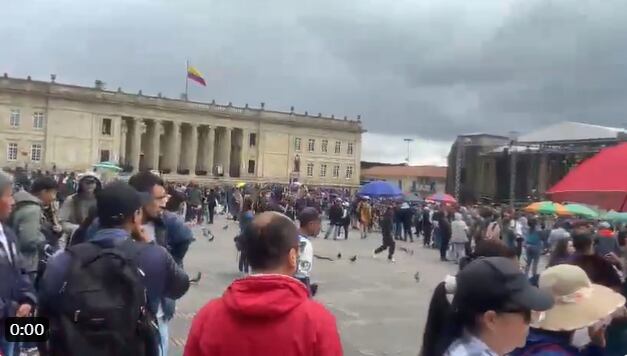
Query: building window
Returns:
{"type": "Point", "coordinates": [252, 139]}
{"type": "Point", "coordinates": [251, 166]}
{"type": "Point", "coordinates": [38, 120]}
{"type": "Point", "coordinates": [297, 143]}
{"type": "Point", "coordinates": [311, 145]}
{"type": "Point", "coordinates": [106, 127]}
{"type": "Point", "coordinates": [12, 151]}
{"type": "Point", "coordinates": [325, 145]}
{"type": "Point", "coordinates": [35, 152]}
{"type": "Point", "coordinates": [338, 146]}
{"type": "Point", "coordinates": [349, 172]}
{"type": "Point", "coordinates": [349, 148]}
{"type": "Point", "coordinates": [323, 170]}
{"type": "Point", "coordinates": [336, 171]}
{"type": "Point", "coordinates": [310, 168]}
{"type": "Point", "coordinates": [15, 118]}
{"type": "Point", "coordinates": [105, 155]}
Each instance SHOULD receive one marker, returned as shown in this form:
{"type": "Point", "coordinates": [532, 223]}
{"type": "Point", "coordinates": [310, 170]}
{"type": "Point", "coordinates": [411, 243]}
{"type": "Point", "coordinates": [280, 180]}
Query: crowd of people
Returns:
{"type": "Point", "coordinates": [104, 264]}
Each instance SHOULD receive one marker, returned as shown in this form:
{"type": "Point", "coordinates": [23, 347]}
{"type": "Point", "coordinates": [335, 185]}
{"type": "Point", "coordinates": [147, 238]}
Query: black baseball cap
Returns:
{"type": "Point", "coordinates": [495, 283]}
{"type": "Point", "coordinates": [117, 201]}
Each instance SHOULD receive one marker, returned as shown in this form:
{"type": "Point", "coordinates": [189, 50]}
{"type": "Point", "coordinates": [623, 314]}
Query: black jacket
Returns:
{"type": "Point", "coordinates": [15, 286]}
{"type": "Point", "coordinates": [164, 278]}
{"type": "Point", "coordinates": [335, 214]}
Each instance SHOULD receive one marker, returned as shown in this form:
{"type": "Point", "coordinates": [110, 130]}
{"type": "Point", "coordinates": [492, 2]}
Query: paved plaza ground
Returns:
{"type": "Point", "coordinates": [379, 306]}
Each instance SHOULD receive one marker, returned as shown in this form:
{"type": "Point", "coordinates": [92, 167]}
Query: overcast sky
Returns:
{"type": "Point", "coordinates": [424, 69]}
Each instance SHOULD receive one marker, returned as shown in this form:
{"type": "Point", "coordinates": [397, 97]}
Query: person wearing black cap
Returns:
{"type": "Point", "coordinates": [492, 308]}
{"type": "Point", "coordinates": [119, 211]}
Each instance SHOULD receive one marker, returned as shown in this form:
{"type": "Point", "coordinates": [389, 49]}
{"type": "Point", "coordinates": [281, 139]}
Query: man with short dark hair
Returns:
{"type": "Point", "coordinates": [29, 221]}
{"type": "Point", "coordinates": [598, 269]}
{"type": "Point", "coordinates": [269, 312]}
{"type": "Point", "coordinates": [165, 229]}
{"type": "Point", "coordinates": [310, 224]}
{"type": "Point", "coordinates": [17, 295]}
{"type": "Point", "coordinates": [119, 211]}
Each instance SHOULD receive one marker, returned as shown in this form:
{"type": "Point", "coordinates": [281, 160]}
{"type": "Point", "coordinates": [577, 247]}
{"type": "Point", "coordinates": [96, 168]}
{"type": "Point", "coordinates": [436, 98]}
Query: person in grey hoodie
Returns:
{"type": "Point", "coordinates": [76, 207]}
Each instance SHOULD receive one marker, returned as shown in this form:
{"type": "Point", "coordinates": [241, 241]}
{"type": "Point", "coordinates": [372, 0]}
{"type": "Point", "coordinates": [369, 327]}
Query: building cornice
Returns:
{"type": "Point", "coordinates": [106, 97]}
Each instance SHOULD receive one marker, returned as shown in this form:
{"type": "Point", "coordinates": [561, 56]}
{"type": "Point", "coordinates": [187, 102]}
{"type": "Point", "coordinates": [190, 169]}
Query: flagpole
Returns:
{"type": "Point", "coordinates": [186, 78]}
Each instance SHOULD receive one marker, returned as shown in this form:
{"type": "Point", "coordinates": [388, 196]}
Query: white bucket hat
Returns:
{"type": "Point", "coordinates": [578, 302]}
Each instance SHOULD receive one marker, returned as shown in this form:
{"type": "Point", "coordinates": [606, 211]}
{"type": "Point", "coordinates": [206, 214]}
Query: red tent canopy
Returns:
{"type": "Point", "coordinates": [600, 180]}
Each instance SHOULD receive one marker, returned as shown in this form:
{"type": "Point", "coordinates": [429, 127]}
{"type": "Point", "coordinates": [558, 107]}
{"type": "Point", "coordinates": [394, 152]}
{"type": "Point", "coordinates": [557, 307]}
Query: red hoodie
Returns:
{"type": "Point", "coordinates": [264, 315]}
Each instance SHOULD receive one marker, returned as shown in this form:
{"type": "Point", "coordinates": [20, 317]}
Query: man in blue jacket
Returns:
{"type": "Point", "coordinates": [163, 228]}
{"type": "Point", "coordinates": [119, 214]}
{"type": "Point", "coordinates": [17, 296]}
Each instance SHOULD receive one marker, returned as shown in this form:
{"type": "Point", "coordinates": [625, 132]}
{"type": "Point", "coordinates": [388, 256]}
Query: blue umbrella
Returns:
{"type": "Point", "coordinates": [380, 189]}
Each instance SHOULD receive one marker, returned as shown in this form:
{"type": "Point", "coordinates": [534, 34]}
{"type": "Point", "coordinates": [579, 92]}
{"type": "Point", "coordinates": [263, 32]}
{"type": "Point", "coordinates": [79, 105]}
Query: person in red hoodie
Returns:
{"type": "Point", "coordinates": [268, 312]}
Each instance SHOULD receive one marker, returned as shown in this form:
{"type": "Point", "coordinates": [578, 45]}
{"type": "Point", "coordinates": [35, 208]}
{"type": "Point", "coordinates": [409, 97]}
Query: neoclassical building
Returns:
{"type": "Point", "coordinates": [66, 127]}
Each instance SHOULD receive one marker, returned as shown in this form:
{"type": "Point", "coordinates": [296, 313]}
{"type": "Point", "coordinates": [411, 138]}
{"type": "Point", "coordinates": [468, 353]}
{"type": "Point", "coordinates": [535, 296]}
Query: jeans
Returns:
{"type": "Point", "coordinates": [407, 232]}
{"type": "Point", "coordinates": [398, 230]}
{"type": "Point", "coordinates": [211, 211]}
{"type": "Point", "coordinates": [426, 231]}
{"type": "Point", "coordinates": [8, 348]}
{"type": "Point", "coordinates": [163, 335]}
{"type": "Point", "coordinates": [532, 254]}
{"type": "Point", "coordinates": [458, 251]}
{"type": "Point", "coordinates": [243, 262]}
{"type": "Point", "coordinates": [333, 230]}
{"type": "Point", "coordinates": [443, 247]}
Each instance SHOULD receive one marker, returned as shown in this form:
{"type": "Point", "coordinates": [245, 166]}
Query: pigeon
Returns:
{"type": "Point", "coordinates": [417, 276]}
{"type": "Point", "coordinates": [353, 259]}
{"type": "Point", "coordinates": [196, 279]}
{"type": "Point", "coordinates": [339, 255]}
{"type": "Point", "coordinates": [225, 227]}
{"type": "Point", "coordinates": [406, 250]}
{"type": "Point", "coordinates": [208, 234]}
{"type": "Point", "coordinates": [323, 257]}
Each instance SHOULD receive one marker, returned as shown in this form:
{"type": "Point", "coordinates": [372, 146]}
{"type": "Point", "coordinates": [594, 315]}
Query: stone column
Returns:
{"type": "Point", "coordinates": [174, 148]}
{"type": "Point", "coordinates": [226, 162]}
{"type": "Point", "coordinates": [136, 141]}
{"type": "Point", "coordinates": [210, 149]}
{"type": "Point", "coordinates": [122, 158]}
{"type": "Point", "coordinates": [192, 152]}
{"type": "Point", "coordinates": [243, 170]}
{"type": "Point", "coordinates": [155, 146]}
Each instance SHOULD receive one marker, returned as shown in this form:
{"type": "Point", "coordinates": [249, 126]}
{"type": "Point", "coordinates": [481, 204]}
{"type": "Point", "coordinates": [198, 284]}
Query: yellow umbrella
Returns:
{"type": "Point", "coordinates": [240, 184]}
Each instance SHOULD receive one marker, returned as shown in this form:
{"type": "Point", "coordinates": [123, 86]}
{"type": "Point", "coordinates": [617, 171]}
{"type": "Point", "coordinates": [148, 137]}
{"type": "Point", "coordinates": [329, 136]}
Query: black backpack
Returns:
{"type": "Point", "coordinates": [104, 305]}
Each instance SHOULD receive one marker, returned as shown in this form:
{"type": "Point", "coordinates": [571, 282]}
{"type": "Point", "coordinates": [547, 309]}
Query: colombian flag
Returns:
{"type": "Point", "coordinates": [195, 75]}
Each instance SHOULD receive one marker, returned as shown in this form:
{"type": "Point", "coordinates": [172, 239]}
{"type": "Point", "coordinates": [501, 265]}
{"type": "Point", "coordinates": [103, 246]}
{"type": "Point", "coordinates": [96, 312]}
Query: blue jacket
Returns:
{"type": "Point", "coordinates": [542, 343]}
{"type": "Point", "coordinates": [178, 236]}
{"type": "Point", "coordinates": [171, 231]}
{"type": "Point", "coordinates": [163, 277]}
{"type": "Point", "coordinates": [15, 286]}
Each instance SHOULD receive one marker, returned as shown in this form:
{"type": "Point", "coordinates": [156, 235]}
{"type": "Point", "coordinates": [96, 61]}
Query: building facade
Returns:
{"type": "Point", "coordinates": [46, 125]}
{"type": "Point", "coordinates": [521, 169]}
{"type": "Point", "coordinates": [423, 180]}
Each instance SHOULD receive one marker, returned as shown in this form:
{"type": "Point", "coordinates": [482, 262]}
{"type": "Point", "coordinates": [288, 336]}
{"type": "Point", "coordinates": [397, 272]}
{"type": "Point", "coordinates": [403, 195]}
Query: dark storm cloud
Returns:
{"type": "Point", "coordinates": [428, 68]}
